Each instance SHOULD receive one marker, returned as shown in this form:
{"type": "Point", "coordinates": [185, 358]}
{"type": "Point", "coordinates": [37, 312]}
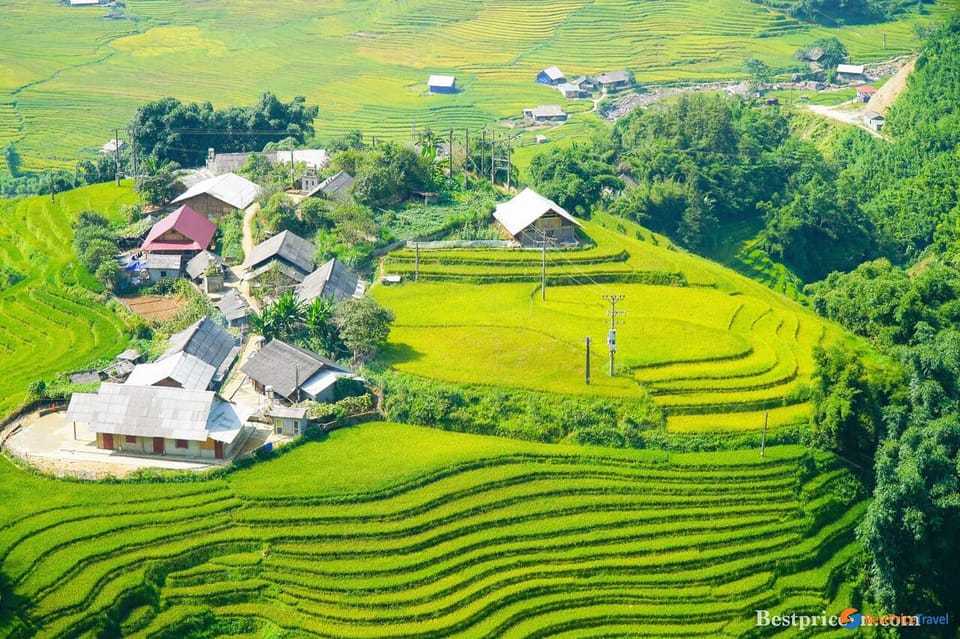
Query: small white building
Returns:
{"type": "Point", "coordinates": [288, 421]}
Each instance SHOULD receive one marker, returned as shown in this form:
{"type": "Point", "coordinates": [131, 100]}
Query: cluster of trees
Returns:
{"type": "Point", "coordinates": [834, 12]}
{"type": "Point", "coordinates": [20, 182]}
{"type": "Point", "coordinates": [357, 327]}
{"type": "Point", "coordinates": [901, 410]}
{"type": "Point", "coordinates": [171, 131]}
{"type": "Point", "coordinates": [95, 243]}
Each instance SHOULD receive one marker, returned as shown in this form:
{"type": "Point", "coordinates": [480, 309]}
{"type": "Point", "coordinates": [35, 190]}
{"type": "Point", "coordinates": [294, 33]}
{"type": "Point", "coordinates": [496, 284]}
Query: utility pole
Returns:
{"type": "Point", "coordinates": [116, 154]}
{"type": "Point", "coordinates": [763, 438]}
{"type": "Point", "coordinates": [588, 360]}
{"type": "Point", "coordinates": [450, 156]}
{"type": "Point", "coordinates": [466, 155]}
{"type": "Point", "coordinates": [508, 164]}
{"type": "Point", "coordinates": [544, 240]}
{"type": "Point", "coordinates": [493, 161]}
{"type": "Point", "coordinates": [612, 334]}
{"type": "Point", "coordinates": [416, 262]}
{"type": "Point", "coordinates": [133, 149]}
{"type": "Point", "coordinates": [483, 151]}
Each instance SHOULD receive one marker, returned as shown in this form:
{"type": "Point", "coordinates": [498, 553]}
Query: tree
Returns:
{"type": "Point", "coordinates": [759, 72]}
{"type": "Point", "coordinates": [13, 160]}
{"type": "Point", "coordinates": [363, 325]}
{"type": "Point", "coordinates": [574, 177]}
{"type": "Point", "coordinates": [390, 174]}
{"type": "Point", "coordinates": [287, 312]}
{"type": "Point", "coordinates": [262, 323]}
{"type": "Point", "coordinates": [108, 274]}
{"type": "Point", "coordinates": [157, 182]}
{"type": "Point", "coordinates": [318, 319]}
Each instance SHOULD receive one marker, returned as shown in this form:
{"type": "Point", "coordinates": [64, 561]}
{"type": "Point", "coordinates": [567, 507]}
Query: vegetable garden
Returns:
{"type": "Point", "coordinates": [396, 531]}
{"type": "Point", "coordinates": [715, 350]}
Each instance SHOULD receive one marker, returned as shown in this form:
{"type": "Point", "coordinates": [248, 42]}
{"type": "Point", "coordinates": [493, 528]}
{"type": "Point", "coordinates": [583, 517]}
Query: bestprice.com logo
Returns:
{"type": "Point", "coordinates": [849, 618]}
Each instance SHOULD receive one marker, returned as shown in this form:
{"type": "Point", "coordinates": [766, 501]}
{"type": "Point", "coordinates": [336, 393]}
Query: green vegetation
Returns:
{"type": "Point", "coordinates": [715, 351]}
{"type": "Point", "coordinates": [52, 320]}
{"type": "Point", "coordinates": [395, 531]}
{"type": "Point", "coordinates": [366, 63]}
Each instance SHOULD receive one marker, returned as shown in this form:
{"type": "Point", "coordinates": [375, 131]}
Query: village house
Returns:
{"type": "Point", "coordinates": [333, 280]}
{"type": "Point", "coordinates": [850, 71]}
{"type": "Point", "coordinates": [161, 421]}
{"type": "Point", "coordinates": [585, 83]}
{"type": "Point", "coordinates": [292, 373]}
{"type": "Point", "coordinates": [286, 257]}
{"type": "Point", "coordinates": [288, 421]}
{"type": "Point", "coordinates": [197, 358]}
{"type": "Point", "coordinates": [207, 270]}
{"type": "Point", "coordinates": [533, 220]}
{"type": "Point", "coordinates": [545, 113]}
{"type": "Point", "coordinates": [335, 187]}
{"type": "Point", "coordinates": [613, 79]}
{"type": "Point", "coordinates": [221, 194]}
{"type": "Point", "coordinates": [570, 91]}
{"type": "Point", "coordinates": [222, 163]}
{"type": "Point", "coordinates": [185, 232]}
{"type": "Point", "coordinates": [442, 84]}
{"type": "Point", "coordinates": [234, 308]}
{"type": "Point", "coordinates": [551, 76]}
{"type": "Point", "coordinates": [160, 266]}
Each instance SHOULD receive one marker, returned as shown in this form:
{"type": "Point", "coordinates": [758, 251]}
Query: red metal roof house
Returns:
{"type": "Point", "coordinates": [183, 231]}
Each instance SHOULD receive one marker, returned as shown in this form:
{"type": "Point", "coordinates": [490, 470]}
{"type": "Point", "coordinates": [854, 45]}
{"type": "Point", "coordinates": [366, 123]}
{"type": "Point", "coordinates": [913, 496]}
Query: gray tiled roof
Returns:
{"type": "Point", "coordinates": [145, 411]}
{"type": "Point", "coordinates": [287, 246]}
{"type": "Point", "coordinates": [207, 341]}
{"type": "Point", "coordinates": [233, 306]}
{"type": "Point", "coordinates": [333, 279]}
{"type": "Point", "coordinates": [188, 371]}
{"type": "Point", "coordinates": [203, 260]}
{"type": "Point", "coordinates": [284, 366]}
{"type": "Point", "coordinates": [337, 185]}
{"type": "Point", "coordinates": [158, 411]}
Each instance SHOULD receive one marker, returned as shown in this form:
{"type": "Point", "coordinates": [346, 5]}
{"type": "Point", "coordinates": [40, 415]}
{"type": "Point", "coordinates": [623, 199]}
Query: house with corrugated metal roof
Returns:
{"type": "Point", "coordinates": [551, 76]}
{"type": "Point", "coordinates": [333, 280]}
{"type": "Point", "coordinates": [234, 307]}
{"type": "Point", "coordinates": [283, 260]}
{"type": "Point", "coordinates": [335, 187]}
{"type": "Point", "coordinates": [534, 221]}
{"type": "Point", "coordinates": [545, 113]}
{"type": "Point", "coordinates": [219, 195]}
{"type": "Point", "coordinates": [161, 421]}
{"type": "Point", "coordinates": [208, 270]}
{"type": "Point", "coordinates": [286, 371]}
{"type": "Point", "coordinates": [613, 79]}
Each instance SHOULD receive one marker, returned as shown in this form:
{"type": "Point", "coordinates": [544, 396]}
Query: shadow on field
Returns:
{"type": "Point", "coordinates": [399, 353]}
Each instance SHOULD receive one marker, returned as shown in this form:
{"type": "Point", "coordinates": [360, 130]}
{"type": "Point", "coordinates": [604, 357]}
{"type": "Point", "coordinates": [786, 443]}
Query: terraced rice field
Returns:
{"type": "Point", "coordinates": [715, 350]}
{"type": "Point", "coordinates": [365, 63]}
{"type": "Point", "coordinates": [387, 531]}
{"type": "Point", "coordinates": [50, 322]}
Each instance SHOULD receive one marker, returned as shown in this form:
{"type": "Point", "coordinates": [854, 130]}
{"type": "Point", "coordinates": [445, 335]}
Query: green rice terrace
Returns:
{"type": "Point", "coordinates": [715, 350]}
{"type": "Point", "coordinates": [50, 319]}
{"type": "Point", "coordinates": [365, 63]}
{"type": "Point", "coordinates": [385, 530]}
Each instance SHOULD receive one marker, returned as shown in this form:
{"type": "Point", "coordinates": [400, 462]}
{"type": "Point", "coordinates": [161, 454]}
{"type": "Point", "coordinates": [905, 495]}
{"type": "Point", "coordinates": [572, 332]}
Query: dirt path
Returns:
{"type": "Point", "coordinates": [886, 94]}
{"type": "Point", "coordinates": [850, 112]}
{"type": "Point", "coordinates": [247, 241]}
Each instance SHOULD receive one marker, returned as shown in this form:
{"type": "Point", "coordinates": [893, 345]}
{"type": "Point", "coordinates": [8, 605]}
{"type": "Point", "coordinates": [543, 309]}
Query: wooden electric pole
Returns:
{"type": "Point", "coordinates": [116, 154]}
{"type": "Point", "coordinates": [588, 360]}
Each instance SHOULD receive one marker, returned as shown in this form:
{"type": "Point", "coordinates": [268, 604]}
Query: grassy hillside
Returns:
{"type": "Point", "coordinates": [365, 63]}
{"type": "Point", "coordinates": [715, 349]}
{"type": "Point", "coordinates": [49, 320]}
{"type": "Point", "coordinates": [394, 531]}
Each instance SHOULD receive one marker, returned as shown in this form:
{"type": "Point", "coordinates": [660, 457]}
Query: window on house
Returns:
{"type": "Point", "coordinates": [163, 273]}
{"type": "Point", "coordinates": [130, 439]}
{"type": "Point", "coordinates": [181, 443]}
{"type": "Point", "coordinates": [296, 428]}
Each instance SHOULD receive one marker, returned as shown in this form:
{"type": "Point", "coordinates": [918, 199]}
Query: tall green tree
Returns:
{"type": "Point", "coordinates": [363, 325]}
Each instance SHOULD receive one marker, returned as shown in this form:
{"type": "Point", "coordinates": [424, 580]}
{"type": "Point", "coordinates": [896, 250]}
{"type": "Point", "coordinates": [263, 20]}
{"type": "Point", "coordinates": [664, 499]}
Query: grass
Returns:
{"type": "Point", "coordinates": [715, 350]}
{"type": "Point", "coordinates": [51, 321]}
{"type": "Point", "coordinates": [365, 63]}
{"type": "Point", "coordinates": [403, 531]}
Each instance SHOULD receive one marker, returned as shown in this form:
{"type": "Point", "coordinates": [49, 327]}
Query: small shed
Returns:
{"type": "Point", "coordinates": [442, 84]}
{"type": "Point", "coordinates": [850, 71]}
{"type": "Point", "coordinates": [162, 267]}
{"type": "Point", "coordinates": [207, 269]}
{"type": "Point", "coordinates": [234, 308]}
{"type": "Point", "coordinates": [335, 187]}
{"type": "Point", "coordinates": [585, 83]}
{"type": "Point", "coordinates": [873, 120]}
{"type": "Point", "coordinates": [531, 219]}
{"type": "Point", "coordinates": [551, 76]}
{"type": "Point", "coordinates": [569, 90]}
{"type": "Point", "coordinates": [288, 421]}
{"type": "Point", "coordinates": [866, 92]}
